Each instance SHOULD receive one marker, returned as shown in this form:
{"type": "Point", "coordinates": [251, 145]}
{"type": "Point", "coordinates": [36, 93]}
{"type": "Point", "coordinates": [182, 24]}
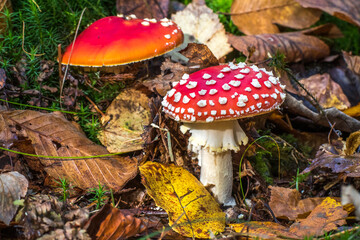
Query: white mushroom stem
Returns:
{"type": "Point", "coordinates": [213, 142]}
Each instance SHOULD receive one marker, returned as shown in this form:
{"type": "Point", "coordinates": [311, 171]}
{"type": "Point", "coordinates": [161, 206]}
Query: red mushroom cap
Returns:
{"type": "Point", "coordinates": [224, 92]}
{"type": "Point", "coordinates": [113, 41]}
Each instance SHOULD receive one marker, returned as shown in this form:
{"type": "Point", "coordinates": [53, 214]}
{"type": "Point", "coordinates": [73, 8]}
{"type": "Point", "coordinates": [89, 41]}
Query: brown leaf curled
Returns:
{"type": "Point", "coordinates": [295, 46]}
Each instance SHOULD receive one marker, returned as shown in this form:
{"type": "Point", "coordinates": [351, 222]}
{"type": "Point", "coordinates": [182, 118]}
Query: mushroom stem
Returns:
{"type": "Point", "coordinates": [213, 142]}
{"type": "Point", "coordinates": [216, 171]}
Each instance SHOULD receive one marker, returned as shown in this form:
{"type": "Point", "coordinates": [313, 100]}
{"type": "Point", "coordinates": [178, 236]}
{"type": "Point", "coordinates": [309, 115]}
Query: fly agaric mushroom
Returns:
{"type": "Point", "coordinates": [209, 102]}
{"type": "Point", "coordinates": [113, 41]}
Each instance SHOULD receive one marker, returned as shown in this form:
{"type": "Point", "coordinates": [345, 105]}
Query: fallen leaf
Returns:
{"type": "Point", "coordinates": [262, 230]}
{"type": "Point", "coordinates": [52, 135]}
{"type": "Point", "coordinates": [327, 92]}
{"type": "Point", "coordinates": [353, 62]}
{"type": "Point", "coordinates": [111, 223]}
{"type": "Point", "coordinates": [347, 10]}
{"type": "Point", "coordinates": [199, 56]}
{"type": "Point", "coordinates": [353, 111]}
{"type": "Point", "coordinates": [286, 203]}
{"type": "Point", "coordinates": [296, 46]}
{"type": "Point", "coordinates": [200, 22]}
{"type": "Point", "coordinates": [324, 218]}
{"type": "Point", "coordinates": [337, 161]}
{"type": "Point", "coordinates": [352, 143]}
{"type": "Point", "coordinates": [124, 121]}
{"type": "Point", "coordinates": [257, 17]}
{"type": "Point", "coordinates": [157, 9]}
{"type": "Point", "coordinates": [13, 186]}
{"type": "Point", "coordinates": [192, 211]}
{"type": "Point", "coordinates": [349, 195]}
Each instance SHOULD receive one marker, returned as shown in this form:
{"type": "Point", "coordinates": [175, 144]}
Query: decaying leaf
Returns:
{"type": "Point", "coordinates": [262, 230]}
{"type": "Point", "coordinates": [294, 45]}
{"type": "Point", "coordinates": [286, 203]}
{"type": "Point", "coordinates": [257, 17]}
{"type": "Point", "coordinates": [157, 9]}
{"type": "Point", "coordinates": [52, 135]}
{"type": "Point", "coordinates": [192, 210]}
{"type": "Point", "coordinates": [327, 92]}
{"type": "Point", "coordinates": [325, 217]}
{"type": "Point", "coordinates": [353, 62]}
{"type": "Point", "coordinates": [199, 56]}
{"type": "Point", "coordinates": [200, 22]}
{"type": "Point", "coordinates": [347, 10]}
{"type": "Point", "coordinates": [352, 143]}
{"type": "Point", "coordinates": [111, 223]}
{"type": "Point", "coordinates": [349, 195]}
{"type": "Point", "coordinates": [13, 186]}
{"type": "Point", "coordinates": [124, 122]}
{"type": "Point", "coordinates": [337, 161]}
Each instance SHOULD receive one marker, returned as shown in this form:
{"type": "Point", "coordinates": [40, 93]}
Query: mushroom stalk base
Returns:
{"type": "Point", "coordinates": [216, 172]}
{"type": "Point", "coordinates": [213, 142]}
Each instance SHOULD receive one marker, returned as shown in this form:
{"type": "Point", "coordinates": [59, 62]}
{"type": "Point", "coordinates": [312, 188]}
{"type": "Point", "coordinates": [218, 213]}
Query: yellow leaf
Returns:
{"type": "Point", "coordinates": [192, 210]}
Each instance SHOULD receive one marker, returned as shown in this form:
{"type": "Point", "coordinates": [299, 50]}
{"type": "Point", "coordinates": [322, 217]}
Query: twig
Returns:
{"type": "Point", "coordinates": [168, 140]}
{"type": "Point", "coordinates": [72, 48]}
{"type": "Point", "coordinates": [23, 43]}
{"type": "Point", "coordinates": [95, 106]}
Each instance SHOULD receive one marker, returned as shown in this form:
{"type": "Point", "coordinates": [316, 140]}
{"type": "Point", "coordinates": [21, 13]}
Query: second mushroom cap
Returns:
{"type": "Point", "coordinates": [224, 92]}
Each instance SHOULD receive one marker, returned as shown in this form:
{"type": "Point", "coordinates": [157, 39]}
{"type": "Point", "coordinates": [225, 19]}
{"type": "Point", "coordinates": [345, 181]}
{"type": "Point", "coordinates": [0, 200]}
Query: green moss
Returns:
{"type": "Point", "coordinates": [351, 40]}
{"type": "Point", "coordinates": [266, 158]}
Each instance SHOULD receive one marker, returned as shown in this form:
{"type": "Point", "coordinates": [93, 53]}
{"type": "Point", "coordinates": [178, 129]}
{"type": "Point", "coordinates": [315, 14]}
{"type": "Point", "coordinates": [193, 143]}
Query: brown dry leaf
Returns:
{"type": "Point", "coordinates": [352, 143]}
{"type": "Point", "coordinates": [200, 22]}
{"type": "Point", "coordinates": [262, 230]}
{"type": "Point", "coordinates": [327, 92]}
{"type": "Point", "coordinates": [257, 17]}
{"type": "Point", "coordinates": [124, 121]}
{"type": "Point", "coordinates": [111, 224]}
{"type": "Point", "coordinates": [349, 166]}
{"type": "Point", "coordinates": [286, 203]}
{"type": "Point", "coordinates": [52, 135]}
{"type": "Point", "coordinates": [324, 218]}
{"type": "Point", "coordinates": [199, 56]}
{"type": "Point", "coordinates": [353, 62]}
{"type": "Point", "coordinates": [157, 9]}
{"type": "Point", "coordinates": [295, 46]}
{"type": "Point", "coordinates": [13, 186]}
{"type": "Point", "coordinates": [347, 10]}
{"type": "Point", "coordinates": [192, 211]}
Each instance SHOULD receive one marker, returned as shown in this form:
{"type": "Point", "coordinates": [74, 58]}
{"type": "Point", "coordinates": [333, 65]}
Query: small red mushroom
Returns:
{"type": "Point", "coordinates": [113, 41]}
{"type": "Point", "coordinates": [209, 102]}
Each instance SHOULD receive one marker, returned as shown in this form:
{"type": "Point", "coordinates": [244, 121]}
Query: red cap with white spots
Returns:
{"type": "Point", "coordinates": [224, 92]}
